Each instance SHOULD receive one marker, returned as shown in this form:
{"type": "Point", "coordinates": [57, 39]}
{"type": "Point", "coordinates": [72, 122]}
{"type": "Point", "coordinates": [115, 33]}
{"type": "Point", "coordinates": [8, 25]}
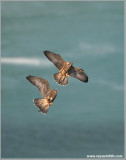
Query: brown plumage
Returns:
{"type": "Point", "coordinates": [66, 69]}
{"type": "Point", "coordinates": [47, 93]}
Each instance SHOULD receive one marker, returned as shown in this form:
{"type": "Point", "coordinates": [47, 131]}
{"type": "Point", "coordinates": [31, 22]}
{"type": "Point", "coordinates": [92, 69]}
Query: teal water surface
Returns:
{"type": "Point", "coordinates": [86, 118]}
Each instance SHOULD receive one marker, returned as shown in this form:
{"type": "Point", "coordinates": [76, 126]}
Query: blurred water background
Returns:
{"type": "Point", "coordinates": [85, 118]}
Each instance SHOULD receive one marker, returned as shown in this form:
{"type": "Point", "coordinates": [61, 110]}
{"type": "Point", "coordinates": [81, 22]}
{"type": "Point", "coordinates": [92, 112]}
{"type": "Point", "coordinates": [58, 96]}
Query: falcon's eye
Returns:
{"type": "Point", "coordinates": [51, 98]}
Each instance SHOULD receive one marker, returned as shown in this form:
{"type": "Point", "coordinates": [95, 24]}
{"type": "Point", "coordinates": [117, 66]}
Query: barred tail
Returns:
{"type": "Point", "coordinates": [42, 104]}
{"type": "Point", "coordinates": [62, 80]}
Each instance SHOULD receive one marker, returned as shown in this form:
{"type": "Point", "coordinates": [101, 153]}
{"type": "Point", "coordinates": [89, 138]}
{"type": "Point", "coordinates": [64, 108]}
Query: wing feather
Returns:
{"type": "Point", "coordinates": [41, 84]}
{"type": "Point", "coordinates": [78, 73]}
{"type": "Point", "coordinates": [56, 59]}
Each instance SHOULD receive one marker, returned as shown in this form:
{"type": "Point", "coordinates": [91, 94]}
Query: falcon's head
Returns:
{"type": "Point", "coordinates": [69, 63]}
{"type": "Point", "coordinates": [53, 95]}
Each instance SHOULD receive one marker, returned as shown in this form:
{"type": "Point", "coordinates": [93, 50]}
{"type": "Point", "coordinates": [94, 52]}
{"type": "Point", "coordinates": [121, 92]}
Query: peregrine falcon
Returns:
{"type": "Point", "coordinates": [66, 69]}
{"type": "Point", "coordinates": [47, 93]}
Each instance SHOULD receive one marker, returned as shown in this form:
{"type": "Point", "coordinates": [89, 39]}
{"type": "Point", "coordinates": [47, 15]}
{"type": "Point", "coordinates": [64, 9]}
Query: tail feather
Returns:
{"type": "Point", "coordinates": [42, 104]}
{"type": "Point", "coordinates": [62, 80]}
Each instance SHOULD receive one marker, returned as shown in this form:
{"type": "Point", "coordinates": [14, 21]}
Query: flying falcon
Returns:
{"type": "Point", "coordinates": [66, 69]}
{"type": "Point", "coordinates": [46, 92]}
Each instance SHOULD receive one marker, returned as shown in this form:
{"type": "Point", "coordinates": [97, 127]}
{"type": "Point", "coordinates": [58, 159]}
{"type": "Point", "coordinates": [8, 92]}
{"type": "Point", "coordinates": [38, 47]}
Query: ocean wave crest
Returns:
{"type": "Point", "coordinates": [95, 49]}
{"type": "Point", "coordinates": [26, 61]}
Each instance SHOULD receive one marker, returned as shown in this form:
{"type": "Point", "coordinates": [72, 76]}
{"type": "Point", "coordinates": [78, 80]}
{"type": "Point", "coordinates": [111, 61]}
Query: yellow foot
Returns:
{"type": "Point", "coordinates": [51, 103]}
{"type": "Point", "coordinates": [67, 75]}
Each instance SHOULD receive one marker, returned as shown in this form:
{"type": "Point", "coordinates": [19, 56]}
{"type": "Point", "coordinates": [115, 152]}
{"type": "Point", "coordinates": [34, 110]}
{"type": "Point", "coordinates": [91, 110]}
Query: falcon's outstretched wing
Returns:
{"type": "Point", "coordinates": [78, 73]}
{"type": "Point", "coordinates": [56, 59]}
{"type": "Point", "coordinates": [41, 84]}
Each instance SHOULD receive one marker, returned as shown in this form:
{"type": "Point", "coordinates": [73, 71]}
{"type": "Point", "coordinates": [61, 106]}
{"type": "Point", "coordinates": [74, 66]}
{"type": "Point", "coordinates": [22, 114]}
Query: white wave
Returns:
{"type": "Point", "coordinates": [94, 49]}
{"type": "Point", "coordinates": [26, 61]}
